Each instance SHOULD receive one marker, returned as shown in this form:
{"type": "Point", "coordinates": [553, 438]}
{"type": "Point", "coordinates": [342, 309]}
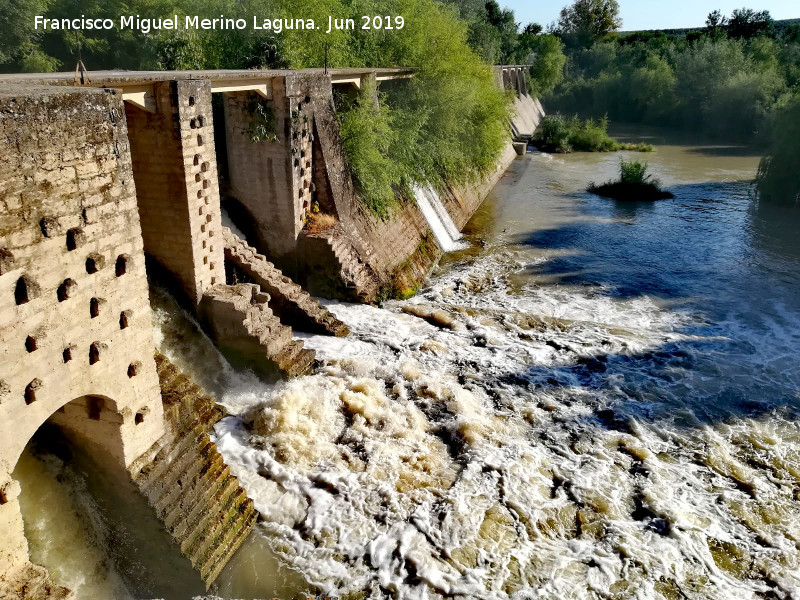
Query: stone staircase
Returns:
{"type": "Point", "coordinates": [187, 482]}
{"type": "Point", "coordinates": [243, 324]}
{"type": "Point", "coordinates": [360, 280]}
{"type": "Point", "coordinates": [290, 302]}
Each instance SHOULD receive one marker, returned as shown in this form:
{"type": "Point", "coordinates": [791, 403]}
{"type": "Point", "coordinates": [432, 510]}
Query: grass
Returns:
{"type": "Point", "coordinates": [319, 222]}
{"type": "Point", "coordinates": [561, 135]}
{"type": "Point", "coordinates": [634, 183]}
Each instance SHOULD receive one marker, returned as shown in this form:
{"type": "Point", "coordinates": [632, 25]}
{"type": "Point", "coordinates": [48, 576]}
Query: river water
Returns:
{"type": "Point", "coordinates": [593, 400]}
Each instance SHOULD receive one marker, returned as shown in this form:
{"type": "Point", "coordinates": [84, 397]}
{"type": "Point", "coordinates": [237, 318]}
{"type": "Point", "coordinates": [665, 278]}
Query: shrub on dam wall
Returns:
{"type": "Point", "coordinates": [447, 123]}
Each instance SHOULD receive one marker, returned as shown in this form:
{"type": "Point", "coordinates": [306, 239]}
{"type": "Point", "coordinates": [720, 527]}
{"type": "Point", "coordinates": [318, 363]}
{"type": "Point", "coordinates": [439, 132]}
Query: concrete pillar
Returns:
{"type": "Point", "coordinates": [177, 187]}
{"type": "Point", "coordinates": [272, 179]}
{"type": "Point", "coordinates": [522, 84]}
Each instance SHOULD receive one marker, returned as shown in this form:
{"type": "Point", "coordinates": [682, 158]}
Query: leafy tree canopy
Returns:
{"type": "Point", "coordinates": [586, 21]}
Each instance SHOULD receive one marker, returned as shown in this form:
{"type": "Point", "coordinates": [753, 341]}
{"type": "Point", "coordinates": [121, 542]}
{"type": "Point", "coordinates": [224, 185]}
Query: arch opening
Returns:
{"type": "Point", "coordinates": [76, 498]}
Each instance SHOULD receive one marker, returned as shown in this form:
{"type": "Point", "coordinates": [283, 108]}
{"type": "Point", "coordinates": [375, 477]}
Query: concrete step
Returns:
{"type": "Point", "coordinates": [183, 473]}
{"type": "Point", "coordinates": [213, 567]}
{"type": "Point", "coordinates": [190, 507]}
{"type": "Point", "coordinates": [205, 484]}
{"type": "Point", "coordinates": [196, 543]}
{"type": "Point", "coordinates": [303, 311]}
{"type": "Point", "coordinates": [217, 537]}
{"type": "Point", "coordinates": [295, 359]}
{"type": "Point", "coordinates": [186, 479]}
{"type": "Point", "coordinates": [187, 531]}
{"type": "Point", "coordinates": [174, 447]}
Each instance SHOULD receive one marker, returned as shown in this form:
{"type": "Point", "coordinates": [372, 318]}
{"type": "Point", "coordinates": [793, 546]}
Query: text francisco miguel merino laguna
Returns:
{"type": "Point", "coordinates": [145, 25]}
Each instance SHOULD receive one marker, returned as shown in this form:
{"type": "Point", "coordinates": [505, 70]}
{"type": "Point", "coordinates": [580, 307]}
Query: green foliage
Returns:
{"type": "Point", "coordinates": [634, 183]}
{"type": "Point", "coordinates": [746, 23]}
{"type": "Point", "coordinates": [591, 136]}
{"type": "Point", "coordinates": [448, 123]}
{"type": "Point", "coordinates": [368, 137]}
{"type": "Point", "coordinates": [586, 21]}
{"type": "Point", "coordinates": [779, 172]}
{"type": "Point", "coordinates": [492, 32]}
{"type": "Point", "coordinates": [262, 121]}
{"type": "Point", "coordinates": [20, 44]}
{"type": "Point", "coordinates": [559, 134]}
{"type": "Point", "coordinates": [548, 59]}
{"type": "Point", "coordinates": [634, 172]}
{"type": "Point", "coordinates": [553, 134]}
{"type": "Point", "coordinates": [712, 83]}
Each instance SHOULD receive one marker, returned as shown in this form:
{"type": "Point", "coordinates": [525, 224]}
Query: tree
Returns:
{"type": "Point", "coordinates": [492, 30]}
{"type": "Point", "coordinates": [532, 29]}
{"type": "Point", "coordinates": [548, 64]}
{"type": "Point", "coordinates": [502, 19]}
{"type": "Point", "coordinates": [716, 20]}
{"type": "Point", "coordinates": [778, 179]}
{"type": "Point", "coordinates": [20, 45]}
{"type": "Point", "coordinates": [745, 23]}
{"type": "Point", "coordinates": [586, 21]}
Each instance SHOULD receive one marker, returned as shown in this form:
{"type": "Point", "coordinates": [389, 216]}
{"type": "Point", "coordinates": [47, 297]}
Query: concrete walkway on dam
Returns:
{"type": "Point", "coordinates": [135, 176]}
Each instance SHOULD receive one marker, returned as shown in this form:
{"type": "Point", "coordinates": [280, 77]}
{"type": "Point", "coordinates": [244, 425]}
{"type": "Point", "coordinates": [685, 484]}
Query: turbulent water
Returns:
{"type": "Point", "coordinates": [594, 400]}
{"type": "Point", "coordinates": [441, 223]}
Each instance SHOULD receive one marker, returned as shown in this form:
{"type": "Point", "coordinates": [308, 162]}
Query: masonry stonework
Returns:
{"type": "Point", "coordinates": [271, 178]}
{"type": "Point", "coordinates": [69, 228]}
{"type": "Point", "coordinates": [177, 186]}
{"type": "Point", "coordinates": [90, 183]}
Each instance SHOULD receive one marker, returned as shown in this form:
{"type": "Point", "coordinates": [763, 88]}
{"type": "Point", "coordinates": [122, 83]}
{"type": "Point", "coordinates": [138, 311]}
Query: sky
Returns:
{"type": "Point", "coordinates": [654, 14]}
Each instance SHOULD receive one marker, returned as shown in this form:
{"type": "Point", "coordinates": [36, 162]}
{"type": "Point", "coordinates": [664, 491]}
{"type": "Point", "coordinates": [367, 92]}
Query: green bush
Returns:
{"type": "Point", "coordinates": [560, 134]}
{"type": "Point", "coordinates": [553, 134]}
{"type": "Point", "coordinates": [591, 136]}
{"type": "Point", "coordinates": [449, 123]}
{"type": "Point", "coordinates": [367, 138]}
{"type": "Point", "coordinates": [634, 183]}
{"type": "Point", "coordinates": [634, 172]}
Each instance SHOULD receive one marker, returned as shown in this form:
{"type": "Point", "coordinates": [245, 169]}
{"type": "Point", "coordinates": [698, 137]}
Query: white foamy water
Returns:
{"type": "Point", "coordinates": [508, 436]}
{"type": "Point", "coordinates": [441, 223]}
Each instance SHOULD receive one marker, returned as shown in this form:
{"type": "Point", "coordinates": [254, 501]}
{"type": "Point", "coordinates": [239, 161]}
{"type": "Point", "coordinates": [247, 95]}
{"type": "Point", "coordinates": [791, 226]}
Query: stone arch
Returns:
{"type": "Point", "coordinates": [91, 423]}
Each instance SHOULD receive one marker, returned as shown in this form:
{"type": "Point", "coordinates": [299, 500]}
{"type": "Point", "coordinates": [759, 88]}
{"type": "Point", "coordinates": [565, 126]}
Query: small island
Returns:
{"type": "Point", "coordinates": [634, 183]}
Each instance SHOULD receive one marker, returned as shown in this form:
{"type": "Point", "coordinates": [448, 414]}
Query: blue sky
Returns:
{"type": "Point", "coordinates": [654, 14]}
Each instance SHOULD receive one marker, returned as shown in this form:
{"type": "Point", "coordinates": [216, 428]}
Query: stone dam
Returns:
{"type": "Point", "coordinates": [118, 176]}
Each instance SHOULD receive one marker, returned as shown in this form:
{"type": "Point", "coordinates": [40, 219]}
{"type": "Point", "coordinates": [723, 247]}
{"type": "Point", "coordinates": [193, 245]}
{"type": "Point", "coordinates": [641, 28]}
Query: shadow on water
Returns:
{"type": "Point", "coordinates": [729, 263]}
{"type": "Point", "coordinates": [673, 249]}
{"type": "Point", "coordinates": [115, 524]}
{"type": "Point", "coordinates": [725, 151]}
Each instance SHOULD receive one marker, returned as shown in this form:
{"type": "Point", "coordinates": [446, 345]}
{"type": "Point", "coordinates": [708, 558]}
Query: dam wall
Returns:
{"type": "Point", "coordinates": [74, 309]}
{"type": "Point", "coordinates": [75, 317]}
{"type": "Point", "coordinates": [93, 179]}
